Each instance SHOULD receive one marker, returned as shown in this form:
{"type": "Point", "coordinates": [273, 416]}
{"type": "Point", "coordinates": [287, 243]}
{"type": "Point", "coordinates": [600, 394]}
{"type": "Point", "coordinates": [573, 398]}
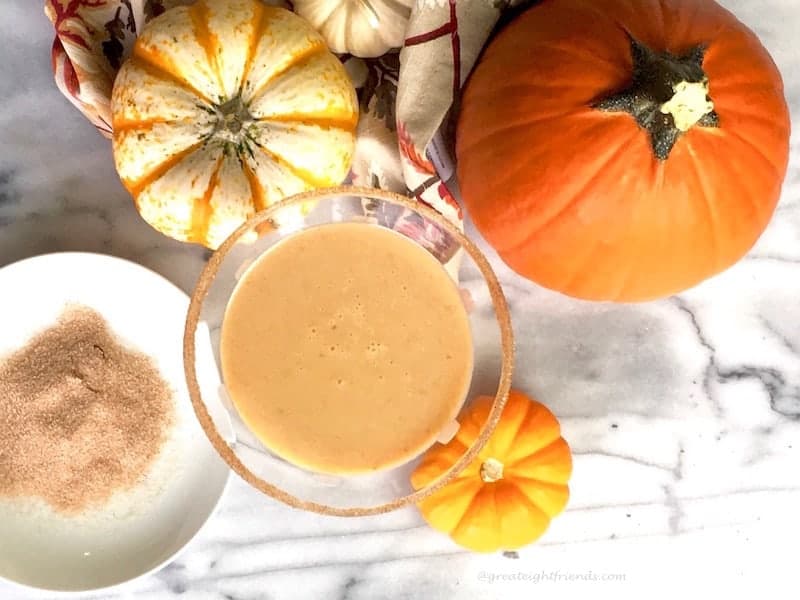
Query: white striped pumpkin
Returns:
{"type": "Point", "coordinates": [225, 107]}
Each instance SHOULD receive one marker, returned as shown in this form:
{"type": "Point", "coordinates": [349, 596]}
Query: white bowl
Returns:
{"type": "Point", "coordinates": [140, 531]}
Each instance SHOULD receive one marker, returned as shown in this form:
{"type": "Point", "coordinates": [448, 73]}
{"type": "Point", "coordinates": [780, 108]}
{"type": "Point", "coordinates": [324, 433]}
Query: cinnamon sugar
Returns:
{"type": "Point", "coordinates": [81, 416]}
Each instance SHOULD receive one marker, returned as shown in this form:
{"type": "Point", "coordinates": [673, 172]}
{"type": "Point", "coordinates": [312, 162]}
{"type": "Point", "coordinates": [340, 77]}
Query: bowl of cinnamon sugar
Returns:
{"type": "Point", "coordinates": [105, 474]}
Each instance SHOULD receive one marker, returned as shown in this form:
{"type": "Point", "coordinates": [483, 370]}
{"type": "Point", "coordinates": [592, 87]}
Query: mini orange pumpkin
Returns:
{"type": "Point", "coordinates": [623, 149]}
{"type": "Point", "coordinates": [506, 498]}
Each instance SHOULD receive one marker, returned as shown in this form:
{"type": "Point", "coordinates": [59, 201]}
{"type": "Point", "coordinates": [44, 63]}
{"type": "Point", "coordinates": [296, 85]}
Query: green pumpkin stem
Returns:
{"type": "Point", "coordinates": [668, 96]}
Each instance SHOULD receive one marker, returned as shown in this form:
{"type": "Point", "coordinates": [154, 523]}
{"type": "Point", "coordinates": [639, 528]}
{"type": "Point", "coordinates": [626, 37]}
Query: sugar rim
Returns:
{"type": "Point", "coordinates": [227, 453]}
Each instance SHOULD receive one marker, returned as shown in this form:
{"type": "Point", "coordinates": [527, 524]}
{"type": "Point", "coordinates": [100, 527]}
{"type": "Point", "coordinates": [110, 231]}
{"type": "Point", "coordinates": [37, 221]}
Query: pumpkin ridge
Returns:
{"type": "Point", "coordinates": [725, 86]}
{"type": "Point", "coordinates": [580, 266]}
{"type": "Point", "coordinates": [256, 189]}
{"type": "Point", "coordinates": [443, 465]}
{"type": "Point", "coordinates": [522, 496]}
{"type": "Point", "coordinates": [201, 210]}
{"type": "Point", "coordinates": [298, 60]}
{"type": "Point", "coordinates": [662, 18]}
{"type": "Point", "coordinates": [482, 403]}
{"type": "Point", "coordinates": [199, 14]}
{"type": "Point", "coordinates": [303, 175]}
{"type": "Point", "coordinates": [553, 486]}
{"type": "Point", "coordinates": [257, 27]}
{"type": "Point", "coordinates": [466, 443]}
{"type": "Point", "coordinates": [736, 45]}
{"type": "Point", "coordinates": [539, 480]}
{"type": "Point", "coordinates": [320, 121]}
{"type": "Point", "coordinates": [577, 196]}
{"type": "Point", "coordinates": [486, 491]}
{"type": "Point", "coordinates": [467, 505]}
{"type": "Point", "coordinates": [135, 188]}
{"type": "Point", "coordinates": [461, 519]}
{"type": "Point", "coordinates": [147, 124]}
{"type": "Point", "coordinates": [457, 440]}
{"type": "Point", "coordinates": [552, 87]}
{"type": "Point", "coordinates": [590, 6]}
{"type": "Point", "coordinates": [484, 136]}
{"type": "Point", "coordinates": [435, 462]}
{"type": "Point", "coordinates": [397, 7]}
{"type": "Point", "coordinates": [750, 116]}
{"type": "Point", "coordinates": [756, 149]}
{"type": "Point", "coordinates": [331, 9]}
{"type": "Point", "coordinates": [711, 213]}
{"type": "Point", "coordinates": [571, 50]}
{"type": "Point", "coordinates": [470, 491]}
{"type": "Point", "coordinates": [511, 464]}
{"type": "Point", "coordinates": [464, 447]}
{"type": "Point", "coordinates": [686, 15]}
{"type": "Point", "coordinates": [160, 68]}
{"type": "Point", "coordinates": [346, 7]}
{"type": "Point", "coordinates": [624, 277]}
{"type": "Point", "coordinates": [752, 199]}
{"type": "Point", "coordinates": [519, 425]}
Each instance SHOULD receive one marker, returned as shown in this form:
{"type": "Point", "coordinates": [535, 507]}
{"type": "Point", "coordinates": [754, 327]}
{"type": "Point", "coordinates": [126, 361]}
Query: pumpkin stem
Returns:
{"type": "Point", "coordinates": [491, 470]}
{"type": "Point", "coordinates": [668, 95]}
{"type": "Point", "coordinates": [232, 117]}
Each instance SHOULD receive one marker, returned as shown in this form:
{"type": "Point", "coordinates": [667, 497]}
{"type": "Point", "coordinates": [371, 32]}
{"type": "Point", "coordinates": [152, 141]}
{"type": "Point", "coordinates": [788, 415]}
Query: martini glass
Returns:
{"type": "Point", "coordinates": [352, 495]}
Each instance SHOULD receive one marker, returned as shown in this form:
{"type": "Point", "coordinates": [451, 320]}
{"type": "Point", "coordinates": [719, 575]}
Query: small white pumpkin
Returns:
{"type": "Point", "coordinates": [365, 28]}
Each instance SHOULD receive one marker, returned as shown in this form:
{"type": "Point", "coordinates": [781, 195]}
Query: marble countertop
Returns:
{"type": "Point", "coordinates": [684, 414]}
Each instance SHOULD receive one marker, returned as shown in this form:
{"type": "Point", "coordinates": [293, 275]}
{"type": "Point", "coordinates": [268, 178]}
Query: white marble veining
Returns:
{"type": "Point", "coordinates": [684, 414]}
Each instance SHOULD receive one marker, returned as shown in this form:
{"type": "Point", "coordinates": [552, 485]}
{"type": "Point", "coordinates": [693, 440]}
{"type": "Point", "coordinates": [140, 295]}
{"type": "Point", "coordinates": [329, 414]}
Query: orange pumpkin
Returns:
{"type": "Point", "coordinates": [623, 149]}
{"type": "Point", "coordinates": [506, 498]}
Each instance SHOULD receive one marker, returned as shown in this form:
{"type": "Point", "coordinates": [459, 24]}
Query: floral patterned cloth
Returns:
{"type": "Point", "coordinates": [404, 135]}
{"type": "Point", "coordinates": [93, 37]}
